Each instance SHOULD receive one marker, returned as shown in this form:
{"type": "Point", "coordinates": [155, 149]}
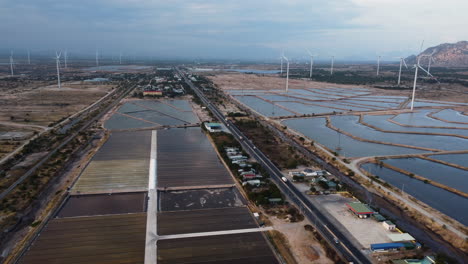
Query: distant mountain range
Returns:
{"type": "Point", "coordinates": [447, 55]}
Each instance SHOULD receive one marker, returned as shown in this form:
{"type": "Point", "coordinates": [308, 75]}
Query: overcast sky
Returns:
{"type": "Point", "coordinates": [257, 29]}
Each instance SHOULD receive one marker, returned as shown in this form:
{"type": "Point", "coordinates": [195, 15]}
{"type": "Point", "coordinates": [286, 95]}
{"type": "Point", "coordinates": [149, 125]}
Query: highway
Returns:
{"type": "Point", "coordinates": [335, 238]}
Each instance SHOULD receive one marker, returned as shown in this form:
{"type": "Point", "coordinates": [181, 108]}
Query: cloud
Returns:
{"type": "Point", "coordinates": [346, 28]}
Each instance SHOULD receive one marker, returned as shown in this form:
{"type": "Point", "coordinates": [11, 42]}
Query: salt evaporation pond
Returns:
{"type": "Point", "coordinates": [420, 118]}
{"type": "Point", "coordinates": [451, 115]}
{"type": "Point", "coordinates": [453, 205]}
{"type": "Point", "coordinates": [315, 129]}
{"type": "Point", "coordinates": [262, 106]}
{"type": "Point", "coordinates": [447, 175]}
{"type": "Point", "coordinates": [459, 159]}
{"type": "Point", "coordinates": [351, 125]}
{"type": "Point", "coordinates": [307, 109]}
{"type": "Point", "coordinates": [381, 122]}
{"type": "Point", "coordinates": [148, 113]}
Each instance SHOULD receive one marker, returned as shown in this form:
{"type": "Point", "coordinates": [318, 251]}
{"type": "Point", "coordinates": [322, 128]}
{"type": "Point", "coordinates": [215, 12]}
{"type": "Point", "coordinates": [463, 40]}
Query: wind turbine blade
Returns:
{"type": "Point", "coordinates": [404, 62]}
{"type": "Point", "coordinates": [308, 51]}
{"type": "Point", "coordinates": [428, 73]}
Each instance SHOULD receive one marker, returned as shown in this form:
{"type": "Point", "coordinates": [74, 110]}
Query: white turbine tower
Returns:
{"type": "Point", "coordinates": [120, 57]}
{"type": "Point", "coordinates": [418, 66]}
{"type": "Point", "coordinates": [287, 72]}
{"type": "Point", "coordinates": [29, 58]}
{"type": "Point", "coordinates": [311, 64]}
{"type": "Point", "coordinates": [11, 63]}
{"type": "Point", "coordinates": [378, 65]}
{"type": "Point", "coordinates": [332, 62]}
{"type": "Point", "coordinates": [97, 58]}
{"type": "Point", "coordinates": [57, 61]}
{"type": "Point", "coordinates": [402, 62]}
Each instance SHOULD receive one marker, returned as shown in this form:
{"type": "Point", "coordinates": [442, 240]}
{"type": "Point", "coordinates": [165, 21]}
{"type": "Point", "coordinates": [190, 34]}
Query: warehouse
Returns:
{"type": "Point", "coordinates": [359, 209]}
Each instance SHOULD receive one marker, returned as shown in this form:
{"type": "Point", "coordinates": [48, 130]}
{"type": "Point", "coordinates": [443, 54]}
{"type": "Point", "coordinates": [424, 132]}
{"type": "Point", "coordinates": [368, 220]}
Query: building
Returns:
{"type": "Point", "coordinates": [213, 127]}
{"type": "Point", "coordinates": [308, 172]}
{"type": "Point", "coordinates": [387, 246]}
{"type": "Point", "coordinates": [331, 185]}
{"type": "Point", "coordinates": [389, 225]}
{"type": "Point", "coordinates": [404, 237]}
{"type": "Point", "coordinates": [312, 173]}
{"type": "Point", "coordinates": [425, 260]}
{"type": "Point", "coordinates": [252, 182]}
{"type": "Point", "coordinates": [249, 176]}
{"type": "Point", "coordinates": [359, 209]}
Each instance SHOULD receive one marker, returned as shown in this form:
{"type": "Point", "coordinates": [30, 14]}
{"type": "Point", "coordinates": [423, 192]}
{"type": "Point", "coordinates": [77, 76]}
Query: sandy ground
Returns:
{"type": "Point", "coordinates": [303, 246]}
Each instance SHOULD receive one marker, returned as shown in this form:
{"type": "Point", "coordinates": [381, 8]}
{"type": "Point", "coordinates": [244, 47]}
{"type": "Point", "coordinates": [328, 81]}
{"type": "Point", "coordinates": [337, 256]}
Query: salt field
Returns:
{"type": "Point", "coordinates": [315, 129]}
{"type": "Point", "coordinates": [453, 205]}
{"type": "Point", "coordinates": [364, 124]}
{"type": "Point", "coordinates": [152, 113]}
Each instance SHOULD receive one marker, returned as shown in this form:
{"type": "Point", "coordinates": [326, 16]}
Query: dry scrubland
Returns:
{"type": "Point", "coordinates": [44, 105]}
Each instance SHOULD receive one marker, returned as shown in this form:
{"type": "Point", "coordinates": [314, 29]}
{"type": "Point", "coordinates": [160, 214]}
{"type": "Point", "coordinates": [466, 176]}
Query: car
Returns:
{"type": "Point", "coordinates": [284, 179]}
{"type": "Point", "coordinates": [336, 240]}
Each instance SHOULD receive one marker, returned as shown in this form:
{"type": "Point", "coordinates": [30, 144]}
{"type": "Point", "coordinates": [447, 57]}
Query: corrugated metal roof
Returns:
{"type": "Point", "coordinates": [383, 246]}
{"type": "Point", "coordinates": [359, 208]}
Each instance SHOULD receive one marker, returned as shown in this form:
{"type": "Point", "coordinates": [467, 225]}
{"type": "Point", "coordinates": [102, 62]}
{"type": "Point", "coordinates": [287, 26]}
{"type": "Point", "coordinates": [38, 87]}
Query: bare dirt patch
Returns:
{"type": "Point", "coordinates": [303, 246]}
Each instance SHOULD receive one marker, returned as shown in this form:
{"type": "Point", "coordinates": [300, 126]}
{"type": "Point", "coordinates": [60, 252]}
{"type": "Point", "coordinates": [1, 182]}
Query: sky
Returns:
{"type": "Point", "coordinates": [232, 29]}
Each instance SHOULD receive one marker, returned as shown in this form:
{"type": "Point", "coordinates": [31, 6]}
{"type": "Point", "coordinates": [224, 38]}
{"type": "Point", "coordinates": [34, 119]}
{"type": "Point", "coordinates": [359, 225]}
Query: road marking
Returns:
{"type": "Point", "coordinates": [151, 219]}
{"type": "Point", "coordinates": [216, 233]}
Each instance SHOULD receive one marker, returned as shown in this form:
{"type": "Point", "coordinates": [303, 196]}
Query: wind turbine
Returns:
{"type": "Point", "coordinates": [287, 72]}
{"type": "Point", "coordinates": [29, 58]}
{"type": "Point", "coordinates": [378, 65]}
{"type": "Point", "coordinates": [402, 61]}
{"type": "Point", "coordinates": [57, 61]}
{"type": "Point", "coordinates": [120, 57]}
{"type": "Point", "coordinates": [311, 63]}
{"type": "Point", "coordinates": [332, 62]}
{"type": "Point", "coordinates": [11, 63]}
{"type": "Point", "coordinates": [418, 66]}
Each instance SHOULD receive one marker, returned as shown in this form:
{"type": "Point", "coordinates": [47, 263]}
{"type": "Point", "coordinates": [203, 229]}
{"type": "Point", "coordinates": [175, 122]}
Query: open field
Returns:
{"type": "Point", "coordinates": [120, 165]}
{"type": "Point", "coordinates": [249, 248]}
{"type": "Point", "coordinates": [42, 105]}
{"type": "Point", "coordinates": [200, 199]}
{"type": "Point", "coordinates": [103, 204]}
{"type": "Point", "coordinates": [206, 220]}
{"type": "Point", "coordinates": [186, 158]}
{"type": "Point", "coordinates": [101, 239]}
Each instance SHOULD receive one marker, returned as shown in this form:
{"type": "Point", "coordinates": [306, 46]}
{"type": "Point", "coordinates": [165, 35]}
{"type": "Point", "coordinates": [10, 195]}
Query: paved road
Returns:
{"type": "Point", "coordinates": [324, 226]}
{"type": "Point", "coordinates": [216, 233]}
{"type": "Point", "coordinates": [152, 212]}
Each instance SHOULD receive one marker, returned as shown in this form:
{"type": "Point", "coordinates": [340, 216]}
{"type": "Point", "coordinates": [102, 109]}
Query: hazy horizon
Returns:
{"type": "Point", "coordinates": [352, 30]}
